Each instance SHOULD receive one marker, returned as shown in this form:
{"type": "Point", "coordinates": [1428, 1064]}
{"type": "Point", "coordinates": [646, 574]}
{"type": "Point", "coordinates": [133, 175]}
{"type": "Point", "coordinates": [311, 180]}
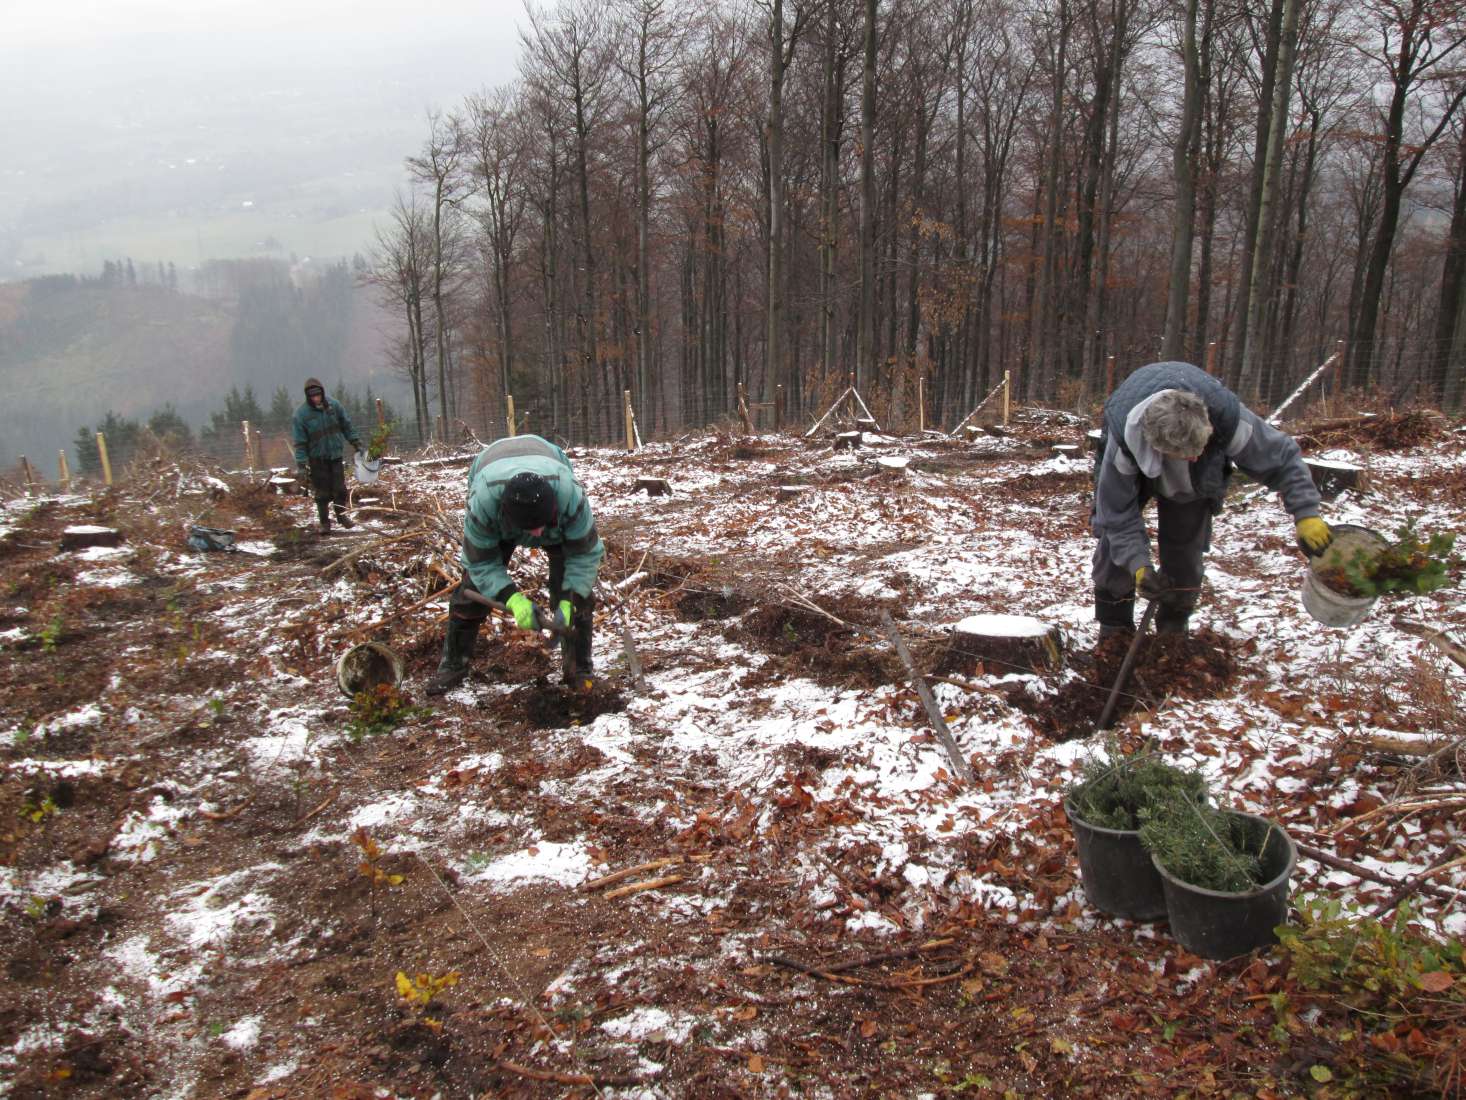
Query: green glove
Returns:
{"type": "Point", "coordinates": [563, 613]}
{"type": "Point", "coordinates": [519, 604]}
{"type": "Point", "coordinates": [1314, 536]}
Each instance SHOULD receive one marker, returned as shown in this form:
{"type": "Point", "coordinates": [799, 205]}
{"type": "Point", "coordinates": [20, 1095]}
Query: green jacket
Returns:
{"type": "Point", "coordinates": [484, 528]}
{"type": "Point", "coordinates": [320, 433]}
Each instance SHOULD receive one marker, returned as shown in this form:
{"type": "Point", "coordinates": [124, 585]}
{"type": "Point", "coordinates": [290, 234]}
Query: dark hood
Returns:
{"type": "Point", "coordinates": [313, 384]}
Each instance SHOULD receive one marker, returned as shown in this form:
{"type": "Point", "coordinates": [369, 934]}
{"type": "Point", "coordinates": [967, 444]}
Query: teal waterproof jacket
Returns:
{"type": "Point", "coordinates": [321, 433]}
{"type": "Point", "coordinates": [485, 528]}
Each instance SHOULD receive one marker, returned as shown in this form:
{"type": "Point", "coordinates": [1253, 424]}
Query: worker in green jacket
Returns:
{"type": "Point", "coordinates": [522, 492]}
{"type": "Point", "coordinates": [321, 428]}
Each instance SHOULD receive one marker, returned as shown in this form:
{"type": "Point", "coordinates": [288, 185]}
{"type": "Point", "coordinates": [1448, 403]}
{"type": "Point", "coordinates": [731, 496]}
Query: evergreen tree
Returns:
{"type": "Point", "coordinates": [122, 438]}
{"type": "Point", "coordinates": [169, 428]}
{"type": "Point", "coordinates": [282, 411]}
{"type": "Point", "coordinates": [238, 407]}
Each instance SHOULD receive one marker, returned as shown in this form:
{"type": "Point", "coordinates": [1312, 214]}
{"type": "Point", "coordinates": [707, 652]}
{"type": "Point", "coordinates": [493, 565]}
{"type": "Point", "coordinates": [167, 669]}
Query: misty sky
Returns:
{"type": "Point", "coordinates": [184, 130]}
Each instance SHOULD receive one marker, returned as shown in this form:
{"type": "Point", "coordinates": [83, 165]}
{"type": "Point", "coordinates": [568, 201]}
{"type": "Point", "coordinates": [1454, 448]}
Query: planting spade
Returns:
{"type": "Point", "coordinates": [1109, 712]}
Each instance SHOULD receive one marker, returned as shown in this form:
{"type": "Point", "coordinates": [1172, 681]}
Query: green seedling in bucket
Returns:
{"type": "Point", "coordinates": [1411, 564]}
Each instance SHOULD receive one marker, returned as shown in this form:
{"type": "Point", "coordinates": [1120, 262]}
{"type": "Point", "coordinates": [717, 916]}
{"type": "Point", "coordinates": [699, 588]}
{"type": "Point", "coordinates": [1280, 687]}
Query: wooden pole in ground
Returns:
{"type": "Point", "coordinates": [778, 406]}
{"type": "Point", "coordinates": [64, 471]}
{"type": "Point", "coordinates": [626, 410]}
{"type": "Point", "coordinates": [381, 413]}
{"type": "Point", "coordinates": [1109, 374]}
{"type": "Point", "coordinates": [1211, 357]}
{"type": "Point", "coordinates": [1007, 396]}
{"type": "Point", "coordinates": [29, 474]}
{"type": "Point", "coordinates": [249, 451]}
{"type": "Point", "coordinates": [509, 413]}
{"type": "Point", "coordinates": [106, 462]}
{"type": "Point", "coordinates": [920, 403]}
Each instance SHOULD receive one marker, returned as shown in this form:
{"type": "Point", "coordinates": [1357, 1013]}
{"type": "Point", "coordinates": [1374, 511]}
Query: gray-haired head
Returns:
{"type": "Point", "coordinates": [1176, 423]}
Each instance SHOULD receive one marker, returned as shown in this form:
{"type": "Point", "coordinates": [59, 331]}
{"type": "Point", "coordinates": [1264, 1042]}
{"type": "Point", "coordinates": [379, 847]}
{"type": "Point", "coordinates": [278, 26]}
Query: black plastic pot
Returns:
{"type": "Point", "coordinates": [1118, 874]}
{"type": "Point", "coordinates": [1218, 924]}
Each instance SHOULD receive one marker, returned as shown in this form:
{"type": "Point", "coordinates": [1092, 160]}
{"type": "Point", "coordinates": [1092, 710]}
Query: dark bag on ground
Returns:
{"type": "Point", "coordinates": [210, 538]}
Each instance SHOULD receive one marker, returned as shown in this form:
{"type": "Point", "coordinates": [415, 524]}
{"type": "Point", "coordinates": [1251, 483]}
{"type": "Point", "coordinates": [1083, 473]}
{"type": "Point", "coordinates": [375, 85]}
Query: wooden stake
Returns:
{"type": "Point", "coordinates": [249, 455]}
{"type": "Point", "coordinates": [924, 692]}
{"type": "Point", "coordinates": [442, 429]}
{"type": "Point", "coordinates": [509, 413]}
{"type": "Point", "coordinates": [639, 887]}
{"type": "Point", "coordinates": [1211, 357]}
{"type": "Point", "coordinates": [920, 403]}
{"type": "Point", "coordinates": [1007, 396]}
{"type": "Point", "coordinates": [65, 472]}
{"type": "Point", "coordinates": [630, 430]}
{"type": "Point", "coordinates": [1109, 374]}
{"type": "Point", "coordinates": [106, 462]}
{"type": "Point", "coordinates": [381, 413]}
{"type": "Point", "coordinates": [778, 407]}
{"type": "Point", "coordinates": [30, 476]}
{"type": "Point", "coordinates": [626, 872]}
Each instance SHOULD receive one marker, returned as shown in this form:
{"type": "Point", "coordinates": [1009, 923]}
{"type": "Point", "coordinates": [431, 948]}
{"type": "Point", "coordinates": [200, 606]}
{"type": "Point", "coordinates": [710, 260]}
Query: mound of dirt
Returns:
{"type": "Point", "coordinates": [1196, 666]}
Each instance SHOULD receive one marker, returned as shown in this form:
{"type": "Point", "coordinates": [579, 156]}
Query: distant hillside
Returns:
{"type": "Point", "coordinates": [71, 350]}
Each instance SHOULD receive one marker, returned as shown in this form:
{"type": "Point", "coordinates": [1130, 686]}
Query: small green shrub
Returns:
{"type": "Point", "coordinates": [377, 441]}
{"type": "Point", "coordinates": [380, 710]}
{"type": "Point", "coordinates": [1411, 564]}
{"type": "Point", "coordinates": [1124, 791]}
{"type": "Point", "coordinates": [1390, 999]}
{"type": "Point", "coordinates": [1207, 847]}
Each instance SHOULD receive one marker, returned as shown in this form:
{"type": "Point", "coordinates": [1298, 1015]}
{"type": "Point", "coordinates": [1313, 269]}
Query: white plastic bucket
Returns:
{"type": "Point", "coordinates": [366, 469]}
{"type": "Point", "coordinates": [1322, 602]}
{"type": "Point", "coordinates": [363, 667]}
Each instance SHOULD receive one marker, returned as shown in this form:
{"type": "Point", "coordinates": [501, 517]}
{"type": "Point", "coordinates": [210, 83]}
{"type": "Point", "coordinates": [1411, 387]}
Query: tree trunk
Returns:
{"type": "Point", "coordinates": [865, 350]}
{"type": "Point", "coordinates": [1183, 171]}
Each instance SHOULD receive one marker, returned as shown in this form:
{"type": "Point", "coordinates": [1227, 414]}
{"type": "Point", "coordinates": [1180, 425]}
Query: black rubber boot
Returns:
{"type": "Point", "coordinates": [457, 652]}
{"type": "Point", "coordinates": [1172, 622]}
{"type": "Point", "coordinates": [1114, 616]}
{"type": "Point", "coordinates": [347, 523]}
{"type": "Point", "coordinates": [323, 517]}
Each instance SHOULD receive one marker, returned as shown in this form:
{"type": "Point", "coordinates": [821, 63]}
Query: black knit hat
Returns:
{"type": "Point", "coordinates": [528, 501]}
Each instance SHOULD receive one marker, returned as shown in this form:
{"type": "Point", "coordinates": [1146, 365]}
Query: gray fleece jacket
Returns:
{"type": "Point", "coordinates": [1123, 485]}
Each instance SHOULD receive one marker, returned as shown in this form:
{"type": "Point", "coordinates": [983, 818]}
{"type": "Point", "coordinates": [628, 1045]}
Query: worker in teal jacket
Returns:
{"type": "Point", "coordinates": [321, 428]}
{"type": "Point", "coordinates": [522, 492]}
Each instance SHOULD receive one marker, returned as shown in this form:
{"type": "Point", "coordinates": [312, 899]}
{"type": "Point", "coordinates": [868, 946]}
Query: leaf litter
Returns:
{"type": "Point", "coordinates": [814, 904]}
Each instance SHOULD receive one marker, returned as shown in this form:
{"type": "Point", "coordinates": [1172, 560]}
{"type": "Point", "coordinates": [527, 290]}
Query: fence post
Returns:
{"type": "Point", "coordinates": [509, 412]}
{"type": "Point", "coordinates": [65, 473]}
{"type": "Point", "coordinates": [1109, 374]}
{"type": "Point", "coordinates": [381, 413]}
{"type": "Point", "coordinates": [30, 476]}
{"type": "Point", "coordinates": [778, 406]}
{"type": "Point", "coordinates": [249, 452]}
{"type": "Point", "coordinates": [1211, 357]}
{"type": "Point", "coordinates": [920, 403]}
{"type": "Point", "coordinates": [630, 429]}
{"type": "Point", "coordinates": [1007, 392]}
{"type": "Point", "coordinates": [441, 429]}
{"type": "Point", "coordinates": [106, 462]}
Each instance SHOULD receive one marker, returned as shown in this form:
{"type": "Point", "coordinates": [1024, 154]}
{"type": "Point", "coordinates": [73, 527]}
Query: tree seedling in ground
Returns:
{"type": "Point", "coordinates": [380, 710]}
{"type": "Point", "coordinates": [37, 811]}
{"type": "Point", "coordinates": [370, 866]}
{"type": "Point", "coordinates": [1120, 791]}
{"type": "Point", "coordinates": [417, 992]}
{"type": "Point", "coordinates": [377, 441]}
{"type": "Point", "coordinates": [1410, 565]}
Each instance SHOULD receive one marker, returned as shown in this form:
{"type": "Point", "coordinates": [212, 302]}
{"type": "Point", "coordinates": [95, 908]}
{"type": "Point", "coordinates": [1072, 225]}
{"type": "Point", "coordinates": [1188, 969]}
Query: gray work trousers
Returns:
{"type": "Point", "coordinates": [1183, 536]}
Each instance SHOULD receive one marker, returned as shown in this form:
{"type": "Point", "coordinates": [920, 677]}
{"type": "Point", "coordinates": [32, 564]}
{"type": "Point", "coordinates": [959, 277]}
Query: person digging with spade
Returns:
{"type": "Point", "coordinates": [319, 428]}
{"type": "Point", "coordinates": [522, 492]}
{"type": "Point", "coordinates": [1174, 433]}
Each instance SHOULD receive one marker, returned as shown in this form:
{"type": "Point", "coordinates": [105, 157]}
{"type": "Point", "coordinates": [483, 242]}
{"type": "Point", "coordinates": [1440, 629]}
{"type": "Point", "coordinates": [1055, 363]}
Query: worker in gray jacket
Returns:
{"type": "Point", "coordinates": [522, 492]}
{"type": "Point", "coordinates": [1172, 432]}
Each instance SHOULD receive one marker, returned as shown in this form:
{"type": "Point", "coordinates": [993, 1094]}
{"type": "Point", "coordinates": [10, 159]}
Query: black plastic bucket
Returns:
{"type": "Point", "coordinates": [1118, 874]}
{"type": "Point", "coordinates": [1217, 924]}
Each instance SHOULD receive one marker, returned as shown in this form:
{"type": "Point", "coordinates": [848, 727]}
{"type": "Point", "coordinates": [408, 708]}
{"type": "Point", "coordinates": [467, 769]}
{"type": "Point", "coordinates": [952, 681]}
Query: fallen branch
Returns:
{"type": "Point", "coordinates": [812, 971]}
{"type": "Point", "coordinates": [351, 556]}
{"type": "Point", "coordinates": [1320, 856]}
{"type": "Point", "coordinates": [625, 873]}
{"type": "Point", "coordinates": [888, 956]}
{"type": "Point", "coordinates": [372, 628]}
{"type": "Point", "coordinates": [1414, 883]}
{"type": "Point", "coordinates": [1436, 636]}
{"type": "Point", "coordinates": [330, 798]}
{"type": "Point", "coordinates": [225, 815]}
{"type": "Point", "coordinates": [917, 983]}
{"type": "Point", "coordinates": [639, 887]}
{"type": "Point", "coordinates": [608, 1080]}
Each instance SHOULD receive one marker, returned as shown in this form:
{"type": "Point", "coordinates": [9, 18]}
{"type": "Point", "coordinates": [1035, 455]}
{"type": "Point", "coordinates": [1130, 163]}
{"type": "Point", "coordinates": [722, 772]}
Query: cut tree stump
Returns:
{"type": "Point", "coordinates": [789, 492]}
{"type": "Point", "coordinates": [1092, 440]}
{"type": "Point", "coordinates": [994, 430]}
{"type": "Point", "coordinates": [1065, 450]}
{"type": "Point", "coordinates": [893, 462]}
{"type": "Point", "coordinates": [1011, 643]}
{"type": "Point", "coordinates": [1332, 478]}
{"type": "Point", "coordinates": [654, 486]}
{"type": "Point", "coordinates": [83, 536]}
{"type": "Point", "coordinates": [847, 441]}
{"type": "Point", "coordinates": [282, 484]}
